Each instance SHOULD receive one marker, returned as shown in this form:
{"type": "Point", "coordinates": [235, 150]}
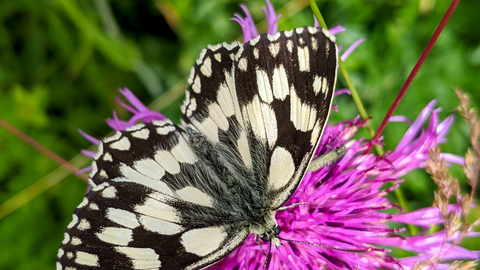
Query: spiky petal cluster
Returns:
{"type": "Point", "coordinates": [343, 207]}
{"type": "Point", "coordinates": [345, 203]}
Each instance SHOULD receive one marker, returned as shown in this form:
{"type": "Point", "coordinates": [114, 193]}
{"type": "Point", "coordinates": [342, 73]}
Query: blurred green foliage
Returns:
{"type": "Point", "coordinates": [62, 61]}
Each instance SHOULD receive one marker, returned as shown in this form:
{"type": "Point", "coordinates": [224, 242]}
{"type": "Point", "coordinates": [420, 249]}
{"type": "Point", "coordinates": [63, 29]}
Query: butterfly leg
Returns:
{"type": "Point", "coordinates": [283, 208]}
{"type": "Point", "coordinates": [260, 244]}
{"type": "Point", "coordinates": [332, 156]}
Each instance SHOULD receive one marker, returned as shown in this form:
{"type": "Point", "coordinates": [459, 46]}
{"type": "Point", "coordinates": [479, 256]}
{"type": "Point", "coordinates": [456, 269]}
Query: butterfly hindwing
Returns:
{"type": "Point", "coordinates": [144, 211]}
{"type": "Point", "coordinates": [271, 108]}
{"type": "Point", "coordinates": [182, 197]}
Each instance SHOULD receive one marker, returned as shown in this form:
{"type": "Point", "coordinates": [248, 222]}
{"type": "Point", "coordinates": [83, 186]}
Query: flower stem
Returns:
{"type": "Point", "coordinates": [42, 149]}
{"type": "Point", "coordinates": [356, 98]}
{"type": "Point", "coordinates": [348, 81]}
{"type": "Point", "coordinates": [414, 72]}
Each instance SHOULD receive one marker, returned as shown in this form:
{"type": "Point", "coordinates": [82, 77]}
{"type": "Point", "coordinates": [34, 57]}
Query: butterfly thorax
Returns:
{"type": "Point", "coordinates": [247, 200]}
{"type": "Point", "coordinates": [267, 231]}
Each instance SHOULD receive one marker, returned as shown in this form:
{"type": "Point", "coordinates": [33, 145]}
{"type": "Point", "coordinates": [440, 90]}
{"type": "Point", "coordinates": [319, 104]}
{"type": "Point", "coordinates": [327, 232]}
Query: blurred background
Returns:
{"type": "Point", "coordinates": [62, 62]}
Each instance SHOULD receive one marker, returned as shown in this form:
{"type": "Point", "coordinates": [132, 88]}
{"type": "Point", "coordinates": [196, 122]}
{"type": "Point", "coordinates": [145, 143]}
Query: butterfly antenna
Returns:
{"type": "Point", "coordinates": [325, 246]}
{"type": "Point", "coordinates": [269, 257]}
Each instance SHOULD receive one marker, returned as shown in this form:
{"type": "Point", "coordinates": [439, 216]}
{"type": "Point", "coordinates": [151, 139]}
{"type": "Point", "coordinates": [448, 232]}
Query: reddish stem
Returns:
{"type": "Point", "coordinates": [414, 72]}
{"type": "Point", "coordinates": [42, 149]}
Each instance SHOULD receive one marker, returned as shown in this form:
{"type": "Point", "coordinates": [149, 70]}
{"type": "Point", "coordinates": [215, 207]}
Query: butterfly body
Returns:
{"type": "Point", "coordinates": [168, 196]}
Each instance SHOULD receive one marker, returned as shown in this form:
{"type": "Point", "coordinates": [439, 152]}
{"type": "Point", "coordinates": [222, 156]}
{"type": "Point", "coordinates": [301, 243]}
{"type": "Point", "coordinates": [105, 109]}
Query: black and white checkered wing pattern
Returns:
{"type": "Point", "coordinates": [183, 197]}
{"type": "Point", "coordinates": [270, 109]}
{"type": "Point", "coordinates": [151, 206]}
{"type": "Point", "coordinates": [285, 84]}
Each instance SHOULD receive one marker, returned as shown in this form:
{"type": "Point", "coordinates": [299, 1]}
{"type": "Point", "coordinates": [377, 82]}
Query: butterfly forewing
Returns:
{"type": "Point", "coordinates": [183, 197]}
{"type": "Point", "coordinates": [287, 85]}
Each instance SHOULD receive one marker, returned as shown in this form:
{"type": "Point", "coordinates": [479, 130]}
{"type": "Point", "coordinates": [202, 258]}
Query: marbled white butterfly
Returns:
{"type": "Point", "coordinates": [167, 196]}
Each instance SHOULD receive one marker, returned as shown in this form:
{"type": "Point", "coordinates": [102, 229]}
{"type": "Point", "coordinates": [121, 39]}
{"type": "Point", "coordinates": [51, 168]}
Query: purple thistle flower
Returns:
{"type": "Point", "coordinates": [343, 208]}
{"type": "Point", "coordinates": [345, 203]}
{"type": "Point", "coordinates": [247, 24]}
{"type": "Point", "coordinates": [342, 205]}
{"type": "Point", "coordinates": [271, 17]}
{"type": "Point", "coordinates": [140, 112]}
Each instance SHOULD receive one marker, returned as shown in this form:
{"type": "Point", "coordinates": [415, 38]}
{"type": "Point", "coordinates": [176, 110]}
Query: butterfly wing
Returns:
{"type": "Point", "coordinates": [144, 210]}
{"type": "Point", "coordinates": [269, 111]}
{"type": "Point", "coordinates": [287, 82]}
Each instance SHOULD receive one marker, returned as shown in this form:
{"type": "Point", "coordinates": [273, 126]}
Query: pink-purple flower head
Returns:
{"type": "Point", "coordinates": [248, 25]}
{"type": "Point", "coordinates": [342, 205]}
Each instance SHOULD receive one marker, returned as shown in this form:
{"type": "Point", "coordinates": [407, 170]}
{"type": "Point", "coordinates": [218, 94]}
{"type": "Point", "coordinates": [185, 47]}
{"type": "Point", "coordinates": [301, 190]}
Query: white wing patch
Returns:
{"type": "Point", "coordinates": [194, 195]}
{"type": "Point", "coordinates": [73, 222]}
{"type": "Point", "coordinates": [115, 137]}
{"type": "Point", "coordinates": [302, 115]}
{"type": "Point", "coordinates": [107, 157]}
{"type": "Point", "coordinates": [303, 59]}
{"type": "Point", "coordinates": [83, 225]}
{"type": "Point", "coordinates": [225, 100]}
{"type": "Point", "coordinates": [142, 258]}
{"type": "Point", "coordinates": [183, 153]}
{"type": "Point", "coordinates": [314, 43]}
{"type": "Point", "coordinates": [263, 85]}
{"type": "Point", "coordinates": [109, 192]}
{"type": "Point", "coordinates": [123, 144]}
{"type": "Point", "coordinates": [160, 226]}
{"type": "Point", "coordinates": [141, 134]}
{"type": "Point", "coordinates": [216, 113]}
{"type": "Point", "coordinates": [94, 169]}
{"type": "Point", "coordinates": [116, 236]}
{"type": "Point", "coordinates": [149, 168]}
{"type": "Point", "coordinates": [315, 134]}
{"type": "Point", "coordinates": [218, 57]}
{"type": "Point", "coordinates": [242, 64]}
{"type": "Point", "coordinates": [206, 67]}
{"type": "Point", "coordinates": [273, 37]}
{"type": "Point", "coordinates": [208, 128]}
{"type": "Point", "coordinates": [203, 241]}
{"type": "Point", "coordinates": [280, 83]}
{"type": "Point", "coordinates": [122, 217]}
{"type": "Point", "coordinates": [270, 124]}
{"type": "Point", "coordinates": [282, 168]}
{"type": "Point", "coordinates": [274, 48]}
{"type": "Point", "coordinates": [197, 86]}
{"type": "Point", "coordinates": [168, 161]}
{"type": "Point", "coordinates": [66, 238]}
{"type": "Point", "coordinates": [76, 241]}
{"type": "Point", "coordinates": [85, 258]}
{"type": "Point", "coordinates": [320, 84]}
{"type": "Point", "coordinates": [289, 44]}
{"type": "Point", "coordinates": [244, 149]}
{"type": "Point", "coordinates": [157, 209]}
{"type": "Point", "coordinates": [93, 206]}
{"type": "Point", "coordinates": [253, 115]}
{"type": "Point", "coordinates": [131, 175]}
{"type": "Point", "coordinates": [164, 127]}
{"type": "Point", "coordinates": [262, 120]}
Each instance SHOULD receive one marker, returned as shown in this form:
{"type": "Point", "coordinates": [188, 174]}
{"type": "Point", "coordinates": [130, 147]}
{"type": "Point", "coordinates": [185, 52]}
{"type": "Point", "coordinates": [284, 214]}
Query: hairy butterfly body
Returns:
{"type": "Point", "coordinates": [168, 196]}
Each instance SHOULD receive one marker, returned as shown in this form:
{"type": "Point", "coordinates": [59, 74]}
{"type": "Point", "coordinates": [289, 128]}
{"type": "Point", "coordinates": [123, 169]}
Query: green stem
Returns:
{"type": "Point", "coordinates": [363, 113]}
